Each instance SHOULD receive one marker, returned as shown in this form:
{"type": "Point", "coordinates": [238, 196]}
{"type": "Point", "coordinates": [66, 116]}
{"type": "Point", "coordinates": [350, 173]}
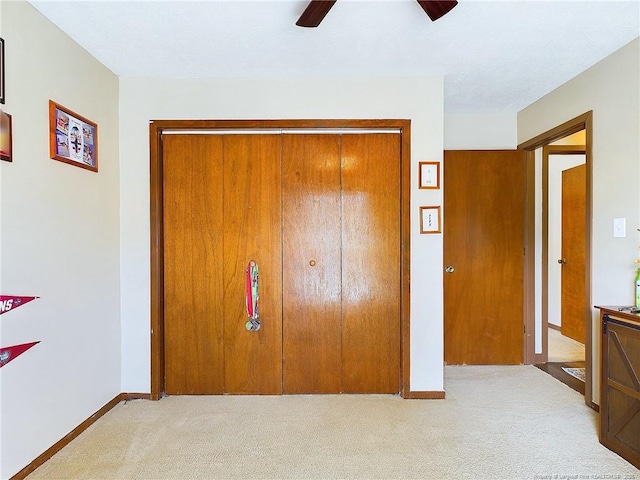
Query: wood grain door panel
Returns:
{"type": "Point", "coordinates": [312, 273]}
{"type": "Point", "coordinates": [573, 288]}
{"type": "Point", "coordinates": [484, 243]}
{"type": "Point", "coordinates": [192, 167]}
{"type": "Point", "coordinates": [320, 214]}
{"type": "Point", "coordinates": [252, 231]}
{"type": "Point", "coordinates": [371, 263]}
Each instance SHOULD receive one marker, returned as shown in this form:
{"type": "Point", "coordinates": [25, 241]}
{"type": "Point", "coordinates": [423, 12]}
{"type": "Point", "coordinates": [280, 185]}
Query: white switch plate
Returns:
{"type": "Point", "coordinates": [619, 227]}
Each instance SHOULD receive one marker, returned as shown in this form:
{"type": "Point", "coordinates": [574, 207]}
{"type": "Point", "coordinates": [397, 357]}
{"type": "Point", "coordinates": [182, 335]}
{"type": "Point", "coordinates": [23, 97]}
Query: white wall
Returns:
{"type": "Point", "coordinates": [538, 252]}
{"type": "Point", "coordinates": [142, 100]}
{"type": "Point", "coordinates": [611, 88]}
{"type": "Point", "coordinates": [578, 138]}
{"type": "Point", "coordinates": [480, 131]}
{"type": "Point", "coordinates": [60, 241]}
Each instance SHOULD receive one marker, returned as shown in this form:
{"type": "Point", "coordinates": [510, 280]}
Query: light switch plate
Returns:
{"type": "Point", "coordinates": [619, 227]}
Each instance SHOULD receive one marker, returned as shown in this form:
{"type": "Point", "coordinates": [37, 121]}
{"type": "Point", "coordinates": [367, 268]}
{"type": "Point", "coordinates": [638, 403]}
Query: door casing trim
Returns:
{"type": "Point", "coordinates": [546, 151]}
{"type": "Point", "coordinates": [156, 129]}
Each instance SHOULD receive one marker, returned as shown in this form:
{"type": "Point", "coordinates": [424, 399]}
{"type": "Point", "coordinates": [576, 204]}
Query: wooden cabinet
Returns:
{"type": "Point", "coordinates": [620, 383]}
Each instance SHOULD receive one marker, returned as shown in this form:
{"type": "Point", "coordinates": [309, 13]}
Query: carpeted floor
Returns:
{"type": "Point", "coordinates": [564, 353]}
{"type": "Point", "coordinates": [563, 349]}
{"type": "Point", "coordinates": [496, 423]}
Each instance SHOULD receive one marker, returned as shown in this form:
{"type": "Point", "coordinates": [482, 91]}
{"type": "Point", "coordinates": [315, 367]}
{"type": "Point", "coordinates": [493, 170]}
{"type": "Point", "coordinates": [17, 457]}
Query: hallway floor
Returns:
{"type": "Point", "coordinates": [564, 352]}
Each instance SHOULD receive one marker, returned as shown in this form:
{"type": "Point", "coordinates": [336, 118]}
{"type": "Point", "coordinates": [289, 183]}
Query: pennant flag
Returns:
{"type": "Point", "coordinates": [9, 353]}
{"type": "Point", "coordinates": [10, 302]}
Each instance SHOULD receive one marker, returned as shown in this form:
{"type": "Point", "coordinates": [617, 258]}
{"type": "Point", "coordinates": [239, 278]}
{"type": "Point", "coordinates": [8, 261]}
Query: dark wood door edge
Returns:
{"type": "Point", "coordinates": [426, 395]}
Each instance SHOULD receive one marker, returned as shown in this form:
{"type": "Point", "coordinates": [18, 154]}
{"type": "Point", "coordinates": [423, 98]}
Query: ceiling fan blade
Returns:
{"type": "Point", "coordinates": [315, 12]}
{"type": "Point", "coordinates": [436, 9]}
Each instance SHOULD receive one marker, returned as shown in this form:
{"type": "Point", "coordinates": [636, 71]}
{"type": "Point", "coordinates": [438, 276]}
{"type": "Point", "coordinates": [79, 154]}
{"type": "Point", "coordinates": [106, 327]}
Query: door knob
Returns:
{"type": "Point", "coordinates": [449, 269]}
{"type": "Point", "coordinates": [312, 263]}
{"type": "Point", "coordinates": [562, 261]}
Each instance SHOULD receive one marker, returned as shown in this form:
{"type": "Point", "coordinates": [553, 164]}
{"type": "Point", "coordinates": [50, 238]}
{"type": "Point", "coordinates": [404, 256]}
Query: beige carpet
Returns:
{"type": "Point", "coordinates": [564, 349]}
{"type": "Point", "coordinates": [496, 423]}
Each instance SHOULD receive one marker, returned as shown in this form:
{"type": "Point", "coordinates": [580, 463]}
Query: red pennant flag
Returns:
{"type": "Point", "coordinates": [11, 302]}
{"type": "Point", "coordinates": [9, 353]}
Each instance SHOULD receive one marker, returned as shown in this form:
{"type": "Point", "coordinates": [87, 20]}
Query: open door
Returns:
{"type": "Point", "coordinates": [573, 252]}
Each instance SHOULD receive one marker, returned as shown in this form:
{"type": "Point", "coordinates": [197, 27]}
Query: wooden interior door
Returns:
{"type": "Point", "coordinates": [193, 258]}
{"type": "Point", "coordinates": [483, 257]}
{"type": "Point", "coordinates": [312, 353]}
{"type": "Point", "coordinates": [371, 263]}
{"type": "Point", "coordinates": [574, 197]}
{"type": "Point", "coordinates": [252, 231]}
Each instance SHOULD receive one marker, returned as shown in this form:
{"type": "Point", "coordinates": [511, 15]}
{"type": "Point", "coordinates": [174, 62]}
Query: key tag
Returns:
{"type": "Point", "coordinates": [252, 324]}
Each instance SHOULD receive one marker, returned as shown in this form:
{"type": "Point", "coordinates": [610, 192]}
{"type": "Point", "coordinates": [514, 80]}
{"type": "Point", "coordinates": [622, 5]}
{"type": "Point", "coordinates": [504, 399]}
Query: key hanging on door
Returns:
{"type": "Point", "coordinates": [253, 318]}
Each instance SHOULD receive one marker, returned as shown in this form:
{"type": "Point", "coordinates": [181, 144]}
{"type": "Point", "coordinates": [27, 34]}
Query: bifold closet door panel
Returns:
{"type": "Point", "coordinates": [252, 231]}
{"type": "Point", "coordinates": [311, 274]}
{"type": "Point", "coordinates": [193, 327]}
{"type": "Point", "coordinates": [371, 263]}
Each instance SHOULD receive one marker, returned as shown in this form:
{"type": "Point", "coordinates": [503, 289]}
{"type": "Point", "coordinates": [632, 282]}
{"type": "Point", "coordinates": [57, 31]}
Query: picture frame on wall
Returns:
{"type": "Point", "coordinates": [2, 70]}
{"type": "Point", "coordinates": [429, 175]}
{"type": "Point", "coordinates": [5, 137]}
{"type": "Point", "coordinates": [430, 219]}
{"type": "Point", "coordinates": [73, 139]}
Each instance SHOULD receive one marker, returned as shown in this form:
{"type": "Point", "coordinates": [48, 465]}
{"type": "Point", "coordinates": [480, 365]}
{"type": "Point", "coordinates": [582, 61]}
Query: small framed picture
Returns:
{"type": "Point", "coordinates": [72, 138]}
{"type": "Point", "coordinates": [5, 137]}
{"type": "Point", "coordinates": [1, 70]}
{"type": "Point", "coordinates": [429, 219]}
{"type": "Point", "coordinates": [429, 175]}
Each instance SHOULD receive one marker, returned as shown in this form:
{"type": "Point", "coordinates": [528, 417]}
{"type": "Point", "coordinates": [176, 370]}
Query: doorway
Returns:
{"type": "Point", "coordinates": [563, 260]}
{"type": "Point", "coordinates": [534, 291]}
{"type": "Point", "coordinates": [351, 333]}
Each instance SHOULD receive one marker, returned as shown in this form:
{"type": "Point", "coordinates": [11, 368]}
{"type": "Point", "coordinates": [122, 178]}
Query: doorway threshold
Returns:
{"type": "Point", "coordinates": [555, 369]}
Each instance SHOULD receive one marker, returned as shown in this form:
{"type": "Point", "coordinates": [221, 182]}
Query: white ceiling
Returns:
{"type": "Point", "coordinates": [495, 56]}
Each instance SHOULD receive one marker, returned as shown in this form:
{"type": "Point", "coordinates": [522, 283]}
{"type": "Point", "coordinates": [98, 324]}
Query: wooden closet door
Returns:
{"type": "Point", "coordinates": [252, 231]}
{"type": "Point", "coordinates": [193, 252]}
{"type": "Point", "coordinates": [371, 263]}
{"type": "Point", "coordinates": [312, 271]}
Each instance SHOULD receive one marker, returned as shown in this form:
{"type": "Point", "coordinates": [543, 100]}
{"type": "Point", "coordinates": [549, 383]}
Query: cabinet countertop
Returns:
{"type": "Point", "coordinates": [621, 312]}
